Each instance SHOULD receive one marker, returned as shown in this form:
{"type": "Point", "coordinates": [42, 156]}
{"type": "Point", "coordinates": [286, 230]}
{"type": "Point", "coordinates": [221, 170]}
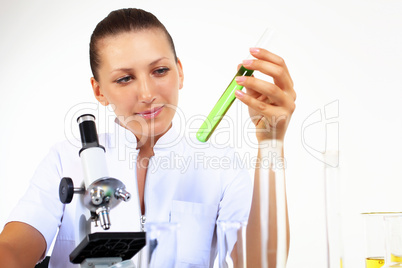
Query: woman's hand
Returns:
{"type": "Point", "coordinates": [270, 104]}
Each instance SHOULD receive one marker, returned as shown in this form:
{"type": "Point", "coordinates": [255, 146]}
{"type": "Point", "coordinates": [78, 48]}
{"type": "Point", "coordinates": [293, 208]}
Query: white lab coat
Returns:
{"type": "Point", "coordinates": [188, 182]}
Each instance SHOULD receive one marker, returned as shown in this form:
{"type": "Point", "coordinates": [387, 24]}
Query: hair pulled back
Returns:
{"type": "Point", "coordinates": [121, 21]}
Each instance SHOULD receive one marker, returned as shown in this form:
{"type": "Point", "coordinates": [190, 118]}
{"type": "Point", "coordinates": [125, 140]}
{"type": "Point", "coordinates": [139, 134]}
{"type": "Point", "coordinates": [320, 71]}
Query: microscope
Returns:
{"type": "Point", "coordinates": [99, 194]}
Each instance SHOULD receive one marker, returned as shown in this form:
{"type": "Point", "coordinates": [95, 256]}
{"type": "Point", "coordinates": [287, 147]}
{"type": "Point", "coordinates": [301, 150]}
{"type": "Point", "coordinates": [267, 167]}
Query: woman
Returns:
{"type": "Point", "coordinates": [136, 71]}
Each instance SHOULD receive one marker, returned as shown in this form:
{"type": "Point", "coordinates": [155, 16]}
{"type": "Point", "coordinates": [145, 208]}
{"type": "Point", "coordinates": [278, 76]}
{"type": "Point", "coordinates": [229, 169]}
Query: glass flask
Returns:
{"type": "Point", "coordinates": [232, 244]}
{"type": "Point", "coordinates": [161, 247]}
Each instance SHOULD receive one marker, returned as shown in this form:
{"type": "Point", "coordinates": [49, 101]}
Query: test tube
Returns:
{"type": "Point", "coordinates": [332, 201]}
{"type": "Point", "coordinates": [228, 96]}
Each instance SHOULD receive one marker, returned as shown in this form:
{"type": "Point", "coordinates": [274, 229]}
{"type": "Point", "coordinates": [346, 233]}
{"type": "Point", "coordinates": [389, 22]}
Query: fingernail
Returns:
{"type": "Point", "coordinates": [239, 93]}
{"type": "Point", "coordinates": [247, 62]}
{"type": "Point", "coordinates": [254, 50]}
{"type": "Point", "coordinates": [240, 79]}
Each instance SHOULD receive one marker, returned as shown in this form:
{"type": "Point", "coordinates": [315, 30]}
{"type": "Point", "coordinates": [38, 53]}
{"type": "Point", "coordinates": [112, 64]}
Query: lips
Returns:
{"type": "Point", "coordinates": [152, 113]}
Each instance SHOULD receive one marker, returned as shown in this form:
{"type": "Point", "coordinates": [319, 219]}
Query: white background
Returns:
{"type": "Point", "coordinates": [345, 53]}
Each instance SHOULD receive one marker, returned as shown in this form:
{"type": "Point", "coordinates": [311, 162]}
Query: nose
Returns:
{"type": "Point", "coordinates": [145, 92]}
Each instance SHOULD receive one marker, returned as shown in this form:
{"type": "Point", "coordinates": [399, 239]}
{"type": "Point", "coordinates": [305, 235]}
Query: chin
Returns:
{"type": "Point", "coordinates": [159, 130]}
{"type": "Point", "coordinates": [153, 130]}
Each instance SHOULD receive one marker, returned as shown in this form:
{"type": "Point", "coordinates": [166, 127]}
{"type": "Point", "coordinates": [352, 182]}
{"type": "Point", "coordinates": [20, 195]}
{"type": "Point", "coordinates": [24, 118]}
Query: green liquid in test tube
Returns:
{"type": "Point", "coordinates": [228, 96]}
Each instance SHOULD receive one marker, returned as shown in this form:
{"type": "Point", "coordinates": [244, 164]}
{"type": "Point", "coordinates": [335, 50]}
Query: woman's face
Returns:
{"type": "Point", "coordinates": [140, 79]}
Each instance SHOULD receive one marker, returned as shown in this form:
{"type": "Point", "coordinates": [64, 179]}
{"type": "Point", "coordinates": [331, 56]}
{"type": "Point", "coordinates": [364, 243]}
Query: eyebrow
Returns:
{"type": "Point", "coordinates": [130, 69]}
{"type": "Point", "coordinates": [158, 60]}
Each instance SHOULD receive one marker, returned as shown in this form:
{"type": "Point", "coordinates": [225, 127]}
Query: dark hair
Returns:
{"type": "Point", "coordinates": [121, 21]}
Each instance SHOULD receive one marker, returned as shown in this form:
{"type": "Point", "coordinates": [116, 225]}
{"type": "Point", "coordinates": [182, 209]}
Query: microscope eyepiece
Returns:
{"type": "Point", "coordinates": [89, 136]}
{"type": "Point", "coordinates": [100, 192]}
{"type": "Point", "coordinates": [85, 117]}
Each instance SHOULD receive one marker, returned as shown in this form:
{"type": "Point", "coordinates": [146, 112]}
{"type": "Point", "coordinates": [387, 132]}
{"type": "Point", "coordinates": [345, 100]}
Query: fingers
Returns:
{"type": "Point", "coordinates": [263, 97]}
{"type": "Point", "coordinates": [256, 87]}
{"type": "Point", "coordinates": [264, 108]}
{"type": "Point", "coordinates": [268, 117]}
{"type": "Point", "coordinates": [272, 65]}
{"type": "Point", "coordinates": [271, 105]}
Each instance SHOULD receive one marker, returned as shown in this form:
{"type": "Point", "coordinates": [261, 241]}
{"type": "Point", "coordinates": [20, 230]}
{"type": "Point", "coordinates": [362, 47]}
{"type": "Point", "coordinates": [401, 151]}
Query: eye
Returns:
{"type": "Point", "coordinates": [124, 79]}
{"type": "Point", "coordinates": [161, 71]}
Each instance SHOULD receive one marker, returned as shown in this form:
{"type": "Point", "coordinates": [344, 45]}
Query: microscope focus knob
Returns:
{"type": "Point", "coordinates": [66, 190]}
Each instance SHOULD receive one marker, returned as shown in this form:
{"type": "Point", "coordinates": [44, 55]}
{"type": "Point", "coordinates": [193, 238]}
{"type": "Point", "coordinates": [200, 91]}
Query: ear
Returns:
{"type": "Point", "coordinates": [97, 92]}
{"type": "Point", "coordinates": [181, 74]}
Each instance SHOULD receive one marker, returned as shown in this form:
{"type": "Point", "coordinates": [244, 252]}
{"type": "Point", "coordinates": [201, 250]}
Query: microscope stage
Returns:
{"type": "Point", "coordinates": [114, 244]}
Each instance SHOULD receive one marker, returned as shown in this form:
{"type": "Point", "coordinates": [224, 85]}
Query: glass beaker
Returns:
{"type": "Point", "coordinates": [232, 244]}
{"type": "Point", "coordinates": [161, 244]}
{"type": "Point", "coordinates": [374, 235]}
{"type": "Point", "coordinates": [393, 240]}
